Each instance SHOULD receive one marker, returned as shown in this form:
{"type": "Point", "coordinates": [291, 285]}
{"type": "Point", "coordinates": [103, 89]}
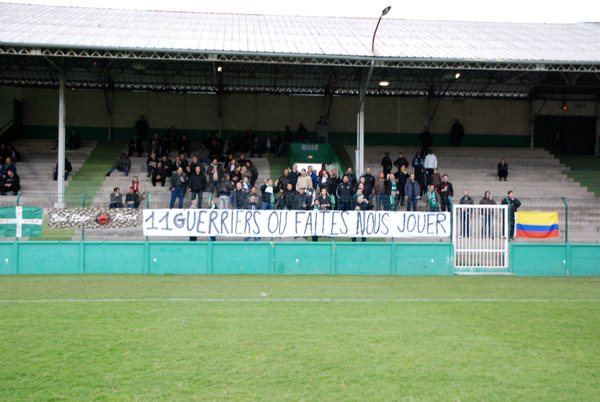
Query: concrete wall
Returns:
{"type": "Point", "coordinates": [7, 96]}
{"type": "Point", "coordinates": [383, 115]}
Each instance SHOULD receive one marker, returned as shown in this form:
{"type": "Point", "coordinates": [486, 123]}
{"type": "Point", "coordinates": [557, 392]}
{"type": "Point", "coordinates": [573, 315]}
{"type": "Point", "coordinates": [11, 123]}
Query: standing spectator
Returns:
{"type": "Point", "coordinates": [395, 192]}
{"type": "Point", "coordinates": [224, 188]}
{"type": "Point", "coordinates": [313, 176]}
{"type": "Point", "coordinates": [430, 162]}
{"type": "Point", "coordinates": [300, 200]}
{"type": "Point", "coordinates": [68, 169]}
{"type": "Point", "coordinates": [433, 199]}
{"type": "Point", "coordinates": [253, 172]}
{"type": "Point", "coordinates": [176, 187]}
{"type": "Point", "coordinates": [172, 135]}
{"type": "Point", "coordinates": [158, 174]}
{"type": "Point", "coordinates": [502, 170]}
{"type": "Point", "coordinates": [486, 229]}
{"type": "Point", "coordinates": [334, 182]}
{"type": "Point", "coordinates": [426, 141]}
{"type": "Point", "coordinates": [446, 193]}
{"type": "Point", "coordinates": [288, 197]}
{"type": "Point", "coordinates": [214, 171]}
{"type": "Point", "coordinates": [294, 174]}
{"type": "Point", "coordinates": [256, 148]}
{"type": "Point", "coordinates": [383, 190]}
{"type": "Point", "coordinates": [123, 165]}
{"type": "Point", "coordinates": [323, 177]}
{"type": "Point", "coordinates": [167, 165]}
{"type": "Point", "coordinates": [142, 127]}
{"type": "Point", "coordinates": [386, 164]}
{"type": "Point", "coordinates": [412, 192]}
{"type": "Point", "coordinates": [238, 197]}
{"type": "Point", "coordinates": [344, 194]}
{"type": "Point", "coordinates": [304, 181]}
{"type": "Point", "coordinates": [116, 199]}
{"type": "Point", "coordinates": [465, 230]}
{"type": "Point", "coordinates": [352, 178]}
{"type": "Point", "coordinates": [138, 188]}
{"type": "Point", "coordinates": [513, 204]}
{"type": "Point", "coordinates": [401, 161]}
{"type": "Point", "coordinates": [268, 143]}
{"type": "Point", "coordinates": [284, 180]}
{"type": "Point", "coordinates": [369, 184]}
{"type": "Point", "coordinates": [423, 180]}
{"type": "Point", "coordinates": [266, 194]}
{"type": "Point", "coordinates": [74, 141]}
{"type": "Point", "coordinates": [197, 184]}
{"type": "Point", "coordinates": [184, 145]}
{"type": "Point", "coordinates": [11, 182]}
{"type": "Point", "coordinates": [402, 177]}
{"type": "Point", "coordinates": [301, 133]}
{"type": "Point", "coordinates": [417, 164]}
{"type": "Point", "coordinates": [135, 146]}
{"type": "Point", "coordinates": [322, 130]}
{"type": "Point", "coordinates": [457, 132]}
{"type": "Point", "coordinates": [435, 179]}
{"type": "Point", "coordinates": [132, 199]}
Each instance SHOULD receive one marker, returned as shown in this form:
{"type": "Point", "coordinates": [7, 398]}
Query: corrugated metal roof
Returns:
{"type": "Point", "coordinates": [56, 26]}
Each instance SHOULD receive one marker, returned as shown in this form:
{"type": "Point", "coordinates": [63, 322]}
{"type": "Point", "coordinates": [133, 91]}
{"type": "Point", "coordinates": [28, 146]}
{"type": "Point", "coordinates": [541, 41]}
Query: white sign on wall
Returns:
{"type": "Point", "coordinates": [284, 223]}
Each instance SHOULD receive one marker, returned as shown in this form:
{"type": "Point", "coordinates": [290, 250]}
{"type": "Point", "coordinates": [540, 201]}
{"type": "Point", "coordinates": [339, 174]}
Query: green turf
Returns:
{"type": "Point", "coordinates": [300, 350]}
{"type": "Point", "coordinates": [585, 169]}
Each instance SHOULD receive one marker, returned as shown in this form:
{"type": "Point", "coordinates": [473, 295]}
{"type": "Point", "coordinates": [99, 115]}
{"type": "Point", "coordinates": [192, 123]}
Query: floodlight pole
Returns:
{"type": "Point", "coordinates": [360, 114]}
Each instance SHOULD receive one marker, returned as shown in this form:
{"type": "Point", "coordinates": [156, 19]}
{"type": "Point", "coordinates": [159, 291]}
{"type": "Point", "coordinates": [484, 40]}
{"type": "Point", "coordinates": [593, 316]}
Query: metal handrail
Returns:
{"type": "Point", "coordinates": [83, 201]}
{"type": "Point", "coordinates": [148, 200]}
{"type": "Point", "coordinates": [564, 199]}
{"type": "Point", "coordinates": [18, 198]}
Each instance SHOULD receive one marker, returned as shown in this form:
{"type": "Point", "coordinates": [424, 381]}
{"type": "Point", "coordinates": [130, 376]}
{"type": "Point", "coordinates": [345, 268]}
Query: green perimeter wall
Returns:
{"type": "Point", "coordinates": [332, 258]}
{"type": "Point", "coordinates": [388, 120]}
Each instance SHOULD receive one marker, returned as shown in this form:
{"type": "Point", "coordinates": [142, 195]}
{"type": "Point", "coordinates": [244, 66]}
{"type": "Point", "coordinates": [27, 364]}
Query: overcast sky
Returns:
{"type": "Point", "coordinates": [565, 11]}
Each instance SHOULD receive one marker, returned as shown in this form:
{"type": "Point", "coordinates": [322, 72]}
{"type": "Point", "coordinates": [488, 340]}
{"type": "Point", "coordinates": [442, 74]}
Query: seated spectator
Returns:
{"type": "Point", "coordinates": [167, 165]}
{"type": "Point", "coordinates": [116, 199]}
{"type": "Point", "coordinates": [268, 143]}
{"type": "Point", "coordinates": [8, 165]}
{"type": "Point", "coordinates": [135, 146]}
{"type": "Point", "coordinates": [151, 163]}
{"type": "Point", "coordinates": [159, 174]}
{"type": "Point", "coordinates": [203, 155]}
{"type": "Point", "coordinates": [14, 154]}
{"type": "Point", "coordinates": [164, 146]}
{"type": "Point", "coordinates": [502, 170]}
{"type": "Point", "coordinates": [300, 200]}
{"type": "Point", "coordinates": [68, 169]}
{"type": "Point", "coordinates": [132, 200]}
{"type": "Point", "coordinates": [74, 141]}
{"type": "Point", "coordinates": [184, 145]}
{"type": "Point", "coordinates": [172, 135]}
{"type": "Point", "coordinates": [138, 188]}
{"type": "Point", "coordinates": [4, 153]}
{"type": "Point", "coordinates": [123, 165]}
{"type": "Point", "coordinates": [10, 183]}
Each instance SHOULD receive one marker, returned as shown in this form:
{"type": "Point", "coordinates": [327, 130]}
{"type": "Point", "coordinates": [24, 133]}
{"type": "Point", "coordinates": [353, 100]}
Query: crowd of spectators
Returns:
{"type": "Point", "coordinates": [9, 179]}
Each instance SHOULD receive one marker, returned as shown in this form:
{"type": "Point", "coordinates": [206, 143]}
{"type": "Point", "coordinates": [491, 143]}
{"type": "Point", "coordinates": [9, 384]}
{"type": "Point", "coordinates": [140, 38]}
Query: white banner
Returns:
{"type": "Point", "coordinates": [283, 223]}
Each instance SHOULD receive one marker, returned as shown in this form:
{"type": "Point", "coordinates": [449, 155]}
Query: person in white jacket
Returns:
{"type": "Point", "coordinates": [430, 162]}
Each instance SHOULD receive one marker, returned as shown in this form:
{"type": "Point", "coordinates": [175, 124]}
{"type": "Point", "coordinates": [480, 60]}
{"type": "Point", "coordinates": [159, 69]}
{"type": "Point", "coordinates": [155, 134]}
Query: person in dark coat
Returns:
{"type": "Point", "coordinates": [68, 169]}
{"type": "Point", "coordinates": [386, 164]}
{"type": "Point", "coordinates": [426, 141]}
{"type": "Point", "coordinates": [513, 204]}
{"type": "Point", "coordinates": [11, 183]}
{"type": "Point", "coordinates": [457, 132]}
{"type": "Point", "coordinates": [197, 184]}
{"type": "Point", "coordinates": [502, 170]}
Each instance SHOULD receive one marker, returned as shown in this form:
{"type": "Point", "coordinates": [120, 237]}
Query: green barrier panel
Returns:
{"type": "Point", "coordinates": [114, 258]}
{"type": "Point", "coordinates": [178, 258]}
{"type": "Point", "coordinates": [303, 258]}
{"type": "Point", "coordinates": [240, 258]}
{"type": "Point", "coordinates": [424, 259]}
{"type": "Point", "coordinates": [55, 257]}
{"type": "Point", "coordinates": [322, 258]}
{"type": "Point", "coordinates": [583, 260]}
{"type": "Point", "coordinates": [366, 259]}
{"type": "Point", "coordinates": [8, 265]}
{"type": "Point", "coordinates": [538, 259]}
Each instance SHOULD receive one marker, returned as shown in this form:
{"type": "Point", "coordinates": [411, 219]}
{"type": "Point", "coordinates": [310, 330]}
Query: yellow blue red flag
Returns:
{"type": "Point", "coordinates": [536, 225]}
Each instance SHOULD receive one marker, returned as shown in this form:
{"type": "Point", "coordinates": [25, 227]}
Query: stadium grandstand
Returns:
{"type": "Point", "coordinates": [527, 93]}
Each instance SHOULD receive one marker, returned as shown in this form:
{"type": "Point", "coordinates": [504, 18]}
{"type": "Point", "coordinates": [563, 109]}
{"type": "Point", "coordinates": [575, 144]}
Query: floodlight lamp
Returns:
{"type": "Point", "coordinates": [384, 83]}
{"type": "Point", "coordinates": [219, 69]}
{"type": "Point", "coordinates": [386, 10]}
{"type": "Point", "coordinates": [457, 76]}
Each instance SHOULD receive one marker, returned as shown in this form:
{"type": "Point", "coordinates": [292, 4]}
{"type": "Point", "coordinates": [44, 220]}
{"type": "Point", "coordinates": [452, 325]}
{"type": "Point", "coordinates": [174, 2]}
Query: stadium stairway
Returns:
{"type": "Point", "coordinates": [538, 179]}
{"type": "Point", "coordinates": [159, 196]}
{"type": "Point", "coordinates": [38, 160]}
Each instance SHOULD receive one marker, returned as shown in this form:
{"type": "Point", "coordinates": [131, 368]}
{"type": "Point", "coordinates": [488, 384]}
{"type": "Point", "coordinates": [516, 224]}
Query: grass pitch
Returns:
{"type": "Point", "coordinates": [299, 338]}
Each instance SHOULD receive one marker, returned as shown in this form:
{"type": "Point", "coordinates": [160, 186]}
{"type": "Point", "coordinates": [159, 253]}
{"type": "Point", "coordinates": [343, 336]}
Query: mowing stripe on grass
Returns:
{"type": "Point", "coordinates": [266, 300]}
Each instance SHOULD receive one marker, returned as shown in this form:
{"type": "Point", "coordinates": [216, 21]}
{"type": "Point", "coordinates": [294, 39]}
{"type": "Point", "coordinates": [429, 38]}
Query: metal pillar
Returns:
{"type": "Point", "coordinates": [360, 134]}
{"type": "Point", "coordinates": [531, 122]}
{"type": "Point", "coordinates": [596, 151]}
{"type": "Point", "coordinates": [60, 176]}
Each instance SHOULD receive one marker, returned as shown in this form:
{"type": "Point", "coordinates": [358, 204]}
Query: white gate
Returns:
{"type": "Point", "coordinates": [480, 236]}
